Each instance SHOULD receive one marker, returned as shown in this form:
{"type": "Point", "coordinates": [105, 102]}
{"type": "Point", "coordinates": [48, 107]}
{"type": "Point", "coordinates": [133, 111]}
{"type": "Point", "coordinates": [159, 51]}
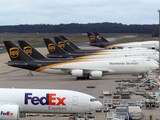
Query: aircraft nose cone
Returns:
{"type": "Point", "coordinates": [155, 66]}
{"type": "Point", "coordinates": [99, 105]}
{"type": "Point", "coordinates": [96, 105]}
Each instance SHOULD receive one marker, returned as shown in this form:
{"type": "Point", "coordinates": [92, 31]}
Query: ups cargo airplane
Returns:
{"type": "Point", "coordinates": [100, 41]}
{"type": "Point", "coordinates": [70, 43]}
{"type": "Point", "coordinates": [104, 54]}
{"type": "Point", "coordinates": [57, 52]}
{"type": "Point", "coordinates": [16, 101]}
{"type": "Point", "coordinates": [153, 55]}
{"type": "Point", "coordinates": [81, 69]}
{"type": "Point", "coordinates": [31, 51]}
{"type": "Point", "coordinates": [69, 46]}
{"type": "Point", "coordinates": [103, 51]}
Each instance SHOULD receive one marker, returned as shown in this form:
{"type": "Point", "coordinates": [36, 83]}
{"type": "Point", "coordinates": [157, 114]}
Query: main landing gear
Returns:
{"type": "Point", "coordinates": [83, 78]}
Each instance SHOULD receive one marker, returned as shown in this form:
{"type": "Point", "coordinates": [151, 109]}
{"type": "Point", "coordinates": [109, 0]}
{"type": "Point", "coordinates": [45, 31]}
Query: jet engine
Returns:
{"type": "Point", "coordinates": [96, 74]}
{"type": "Point", "coordinates": [9, 112]}
{"type": "Point", "coordinates": [77, 73]}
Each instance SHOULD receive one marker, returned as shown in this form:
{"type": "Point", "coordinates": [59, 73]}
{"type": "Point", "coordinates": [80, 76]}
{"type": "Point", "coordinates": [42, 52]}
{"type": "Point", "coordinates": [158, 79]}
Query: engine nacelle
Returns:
{"type": "Point", "coordinates": [77, 73]}
{"type": "Point", "coordinates": [9, 112]}
{"type": "Point", "coordinates": [96, 74]}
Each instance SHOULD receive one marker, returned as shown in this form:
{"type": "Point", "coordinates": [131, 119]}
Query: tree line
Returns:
{"type": "Point", "coordinates": [80, 28]}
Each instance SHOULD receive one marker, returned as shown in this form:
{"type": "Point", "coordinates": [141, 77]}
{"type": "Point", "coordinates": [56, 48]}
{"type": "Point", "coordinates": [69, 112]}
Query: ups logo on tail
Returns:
{"type": "Point", "coordinates": [61, 45]}
{"type": "Point", "coordinates": [28, 50]}
{"type": "Point", "coordinates": [99, 37]}
{"type": "Point", "coordinates": [67, 41]}
{"type": "Point", "coordinates": [92, 38]}
{"type": "Point", "coordinates": [14, 52]}
{"type": "Point", "coordinates": [51, 47]}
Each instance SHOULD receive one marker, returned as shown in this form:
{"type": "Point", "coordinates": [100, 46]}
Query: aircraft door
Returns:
{"type": "Point", "coordinates": [75, 101]}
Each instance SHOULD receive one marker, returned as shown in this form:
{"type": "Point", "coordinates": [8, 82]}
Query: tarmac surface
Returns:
{"type": "Point", "coordinates": [18, 78]}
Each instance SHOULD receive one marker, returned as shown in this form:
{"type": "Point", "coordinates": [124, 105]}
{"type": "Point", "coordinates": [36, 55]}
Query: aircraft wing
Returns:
{"type": "Point", "coordinates": [12, 63]}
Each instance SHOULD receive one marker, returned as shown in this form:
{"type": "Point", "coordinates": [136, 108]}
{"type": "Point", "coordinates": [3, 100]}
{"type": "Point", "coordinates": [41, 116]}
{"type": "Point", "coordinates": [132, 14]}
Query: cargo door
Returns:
{"type": "Point", "coordinates": [75, 101]}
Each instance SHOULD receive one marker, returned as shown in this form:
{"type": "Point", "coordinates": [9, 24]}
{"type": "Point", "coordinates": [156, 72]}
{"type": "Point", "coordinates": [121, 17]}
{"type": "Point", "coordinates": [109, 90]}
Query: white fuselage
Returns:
{"type": "Point", "coordinates": [112, 66]}
{"type": "Point", "coordinates": [103, 51]}
{"type": "Point", "coordinates": [145, 44]}
{"type": "Point", "coordinates": [113, 51]}
{"type": "Point", "coordinates": [152, 54]}
{"type": "Point", "coordinates": [48, 101]}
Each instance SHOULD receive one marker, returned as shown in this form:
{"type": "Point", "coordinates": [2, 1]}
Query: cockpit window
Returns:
{"type": "Point", "coordinates": [93, 99]}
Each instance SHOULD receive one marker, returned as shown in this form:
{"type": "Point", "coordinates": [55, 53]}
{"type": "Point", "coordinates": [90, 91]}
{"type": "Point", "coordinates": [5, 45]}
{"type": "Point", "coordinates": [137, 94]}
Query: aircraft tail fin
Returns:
{"type": "Point", "coordinates": [63, 45]}
{"type": "Point", "coordinates": [100, 37]}
{"type": "Point", "coordinates": [30, 50]}
{"type": "Point", "coordinates": [52, 47]}
{"type": "Point", "coordinates": [16, 53]}
{"type": "Point", "coordinates": [69, 42]}
{"type": "Point", "coordinates": [92, 38]}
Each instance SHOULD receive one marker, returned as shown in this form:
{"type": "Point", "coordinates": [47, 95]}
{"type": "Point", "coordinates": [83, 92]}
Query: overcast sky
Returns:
{"type": "Point", "coordinates": [15, 12]}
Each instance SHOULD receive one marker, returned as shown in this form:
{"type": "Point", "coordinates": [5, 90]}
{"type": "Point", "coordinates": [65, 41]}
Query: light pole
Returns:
{"type": "Point", "coordinates": [159, 49]}
{"type": "Point", "coordinates": [159, 24]}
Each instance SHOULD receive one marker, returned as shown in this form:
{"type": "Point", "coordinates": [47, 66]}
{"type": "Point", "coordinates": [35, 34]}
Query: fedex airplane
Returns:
{"type": "Point", "coordinates": [97, 40]}
{"type": "Point", "coordinates": [16, 101]}
{"type": "Point", "coordinates": [81, 69]}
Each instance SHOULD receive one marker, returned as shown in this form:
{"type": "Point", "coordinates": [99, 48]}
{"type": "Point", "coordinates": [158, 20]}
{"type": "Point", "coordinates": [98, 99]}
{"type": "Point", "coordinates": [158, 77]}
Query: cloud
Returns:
{"type": "Point", "coordinates": [83, 11]}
